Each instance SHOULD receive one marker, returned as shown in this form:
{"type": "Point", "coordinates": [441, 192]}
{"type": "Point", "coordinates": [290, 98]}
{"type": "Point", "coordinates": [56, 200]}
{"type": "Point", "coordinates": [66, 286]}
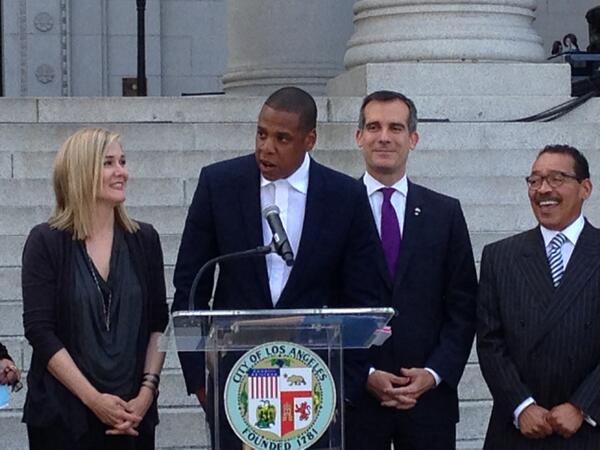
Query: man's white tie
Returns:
{"type": "Point", "coordinates": [557, 268]}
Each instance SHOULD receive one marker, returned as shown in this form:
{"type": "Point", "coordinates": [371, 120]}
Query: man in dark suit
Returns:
{"type": "Point", "coordinates": [538, 336]}
{"type": "Point", "coordinates": [427, 273]}
{"type": "Point", "coordinates": [324, 212]}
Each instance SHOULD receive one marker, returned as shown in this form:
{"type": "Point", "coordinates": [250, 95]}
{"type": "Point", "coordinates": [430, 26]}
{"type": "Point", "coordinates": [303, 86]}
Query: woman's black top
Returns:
{"type": "Point", "coordinates": [106, 317]}
{"type": "Point", "coordinates": [52, 313]}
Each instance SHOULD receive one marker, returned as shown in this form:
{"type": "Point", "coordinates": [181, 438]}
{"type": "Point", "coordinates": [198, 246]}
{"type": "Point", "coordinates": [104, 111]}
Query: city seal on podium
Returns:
{"type": "Point", "coordinates": [280, 396]}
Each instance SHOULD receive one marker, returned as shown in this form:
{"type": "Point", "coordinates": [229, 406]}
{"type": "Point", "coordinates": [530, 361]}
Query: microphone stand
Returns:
{"type": "Point", "coordinates": [258, 251]}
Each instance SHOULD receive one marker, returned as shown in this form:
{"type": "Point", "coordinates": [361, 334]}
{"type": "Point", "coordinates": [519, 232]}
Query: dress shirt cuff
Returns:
{"type": "Point", "coordinates": [435, 376]}
{"type": "Point", "coordinates": [591, 422]}
{"type": "Point", "coordinates": [519, 409]}
{"type": "Point", "coordinates": [371, 370]}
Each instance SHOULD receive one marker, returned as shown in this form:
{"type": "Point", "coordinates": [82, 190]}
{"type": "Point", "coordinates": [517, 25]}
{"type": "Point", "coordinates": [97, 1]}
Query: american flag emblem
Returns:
{"type": "Point", "coordinates": [263, 383]}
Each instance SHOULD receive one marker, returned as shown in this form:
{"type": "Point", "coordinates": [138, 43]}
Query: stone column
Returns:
{"type": "Point", "coordinates": [274, 43]}
{"type": "Point", "coordinates": [443, 47]}
{"type": "Point", "coordinates": [36, 54]}
{"type": "Point", "coordinates": [443, 31]}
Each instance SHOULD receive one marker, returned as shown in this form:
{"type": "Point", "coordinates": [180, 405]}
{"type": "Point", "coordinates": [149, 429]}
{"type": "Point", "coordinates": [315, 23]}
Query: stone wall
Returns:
{"type": "Point", "coordinates": [86, 47]}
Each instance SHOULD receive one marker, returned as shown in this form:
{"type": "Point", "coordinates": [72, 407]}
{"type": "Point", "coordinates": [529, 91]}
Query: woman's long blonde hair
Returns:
{"type": "Point", "coordinates": [77, 180]}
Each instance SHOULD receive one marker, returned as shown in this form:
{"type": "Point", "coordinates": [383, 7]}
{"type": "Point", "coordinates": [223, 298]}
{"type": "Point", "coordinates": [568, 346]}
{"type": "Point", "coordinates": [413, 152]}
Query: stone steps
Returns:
{"type": "Point", "coordinates": [168, 141]}
{"type": "Point", "coordinates": [12, 246]}
{"type": "Point", "coordinates": [140, 192]}
{"type": "Point", "coordinates": [17, 138]}
{"type": "Point", "coordinates": [143, 192]}
{"type": "Point", "coordinates": [170, 219]}
{"type": "Point", "coordinates": [10, 289]}
{"type": "Point", "coordinates": [218, 109]}
{"type": "Point", "coordinates": [186, 164]}
{"type": "Point", "coordinates": [10, 285]}
{"type": "Point", "coordinates": [474, 417]}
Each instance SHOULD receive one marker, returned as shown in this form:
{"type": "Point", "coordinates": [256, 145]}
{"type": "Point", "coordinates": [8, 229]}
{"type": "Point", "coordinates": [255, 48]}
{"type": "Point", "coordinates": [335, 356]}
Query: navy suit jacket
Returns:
{"type": "Point", "coordinates": [433, 292]}
{"type": "Point", "coordinates": [333, 267]}
{"type": "Point", "coordinates": [537, 341]}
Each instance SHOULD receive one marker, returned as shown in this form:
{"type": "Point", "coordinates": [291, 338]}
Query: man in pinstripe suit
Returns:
{"type": "Point", "coordinates": [538, 335]}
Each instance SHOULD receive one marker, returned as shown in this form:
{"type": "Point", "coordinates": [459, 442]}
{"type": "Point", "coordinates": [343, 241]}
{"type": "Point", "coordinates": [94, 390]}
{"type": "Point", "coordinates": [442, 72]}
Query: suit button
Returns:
{"type": "Point", "coordinates": [587, 325]}
{"type": "Point", "coordinates": [522, 323]}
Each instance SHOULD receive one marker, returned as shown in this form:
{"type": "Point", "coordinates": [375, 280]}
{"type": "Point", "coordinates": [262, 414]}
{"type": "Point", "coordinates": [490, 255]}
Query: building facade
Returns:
{"type": "Point", "coordinates": [89, 47]}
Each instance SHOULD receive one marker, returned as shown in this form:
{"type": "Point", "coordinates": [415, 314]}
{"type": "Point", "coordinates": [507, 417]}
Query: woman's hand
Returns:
{"type": "Point", "coordinates": [114, 412]}
{"type": "Point", "coordinates": [138, 406]}
{"type": "Point", "coordinates": [109, 409]}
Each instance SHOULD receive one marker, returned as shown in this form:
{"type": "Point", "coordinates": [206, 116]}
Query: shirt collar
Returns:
{"type": "Point", "coordinates": [298, 180]}
{"type": "Point", "coordinates": [572, 232]}
{"type": "Point", "coordinates": [374, 185]}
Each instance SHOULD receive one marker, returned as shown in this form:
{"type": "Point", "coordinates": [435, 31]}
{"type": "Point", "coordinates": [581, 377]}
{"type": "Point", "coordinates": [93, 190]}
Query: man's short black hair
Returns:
{"type": "Point", "coordinates": [389, 96]}
{"type": "Point", "coordinates": [295, 100]}
{"type": "Point", "coordinates": [580, 164]}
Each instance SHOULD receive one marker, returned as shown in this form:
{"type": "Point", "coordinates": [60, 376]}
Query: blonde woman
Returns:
{"type": "Point", "coordinates": [94, 307]}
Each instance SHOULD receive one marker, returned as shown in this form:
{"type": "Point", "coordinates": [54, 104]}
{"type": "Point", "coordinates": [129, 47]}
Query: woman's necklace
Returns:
{"type": "Point", "coordinates": [105, 304]}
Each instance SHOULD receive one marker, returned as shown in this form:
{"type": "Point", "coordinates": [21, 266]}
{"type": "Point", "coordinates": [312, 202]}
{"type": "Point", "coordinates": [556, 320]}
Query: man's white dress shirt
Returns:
{"type": "Point", "coordinates": [289, 194]}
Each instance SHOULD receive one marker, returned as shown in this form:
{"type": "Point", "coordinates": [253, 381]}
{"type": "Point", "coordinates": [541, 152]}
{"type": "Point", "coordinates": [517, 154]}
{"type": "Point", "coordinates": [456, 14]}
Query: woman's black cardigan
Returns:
{"type": "Point", "coordinates": [46, 282]}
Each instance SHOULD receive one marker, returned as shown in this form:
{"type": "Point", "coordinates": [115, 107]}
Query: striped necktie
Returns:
{"type": "Point", "coordinates": [555, 259]}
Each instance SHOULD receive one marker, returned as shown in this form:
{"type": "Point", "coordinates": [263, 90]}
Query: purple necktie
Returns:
{"type": "Point", "coordinates": [390, 230]}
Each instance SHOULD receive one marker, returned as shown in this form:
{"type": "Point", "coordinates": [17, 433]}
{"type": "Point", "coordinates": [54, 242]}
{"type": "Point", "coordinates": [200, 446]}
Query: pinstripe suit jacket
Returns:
{"type": "Point", "coordinates": [534, 340]}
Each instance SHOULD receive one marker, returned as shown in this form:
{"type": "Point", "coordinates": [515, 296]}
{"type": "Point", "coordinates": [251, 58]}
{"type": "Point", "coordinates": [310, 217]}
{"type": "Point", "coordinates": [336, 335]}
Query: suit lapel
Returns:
{"type": "Point", "coordinates": [314, 213]}
{"type": "Point", "coordinates": [249, 204]}
{"type": "Point", "coordinates": [533, 264]}
{"type": "Point", "coordinates": [584, 263]}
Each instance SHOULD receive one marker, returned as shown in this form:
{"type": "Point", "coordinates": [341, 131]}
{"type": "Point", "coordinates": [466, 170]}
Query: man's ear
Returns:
{"type": "Point", "coordinates": [586, 188]}
{"type": "Point", "coordinates": [414, 139]}
{"type": "Point", "coordinates": [310, 139]}
{"type": "Point", "coordinates": [358, 137]}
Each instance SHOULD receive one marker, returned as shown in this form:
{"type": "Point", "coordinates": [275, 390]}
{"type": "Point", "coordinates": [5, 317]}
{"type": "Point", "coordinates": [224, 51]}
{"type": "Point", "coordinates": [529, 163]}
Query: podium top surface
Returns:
{"type": "Point", "coordinates": [243, 329]}
{"type": "Point", "coordinates": [333, 313]}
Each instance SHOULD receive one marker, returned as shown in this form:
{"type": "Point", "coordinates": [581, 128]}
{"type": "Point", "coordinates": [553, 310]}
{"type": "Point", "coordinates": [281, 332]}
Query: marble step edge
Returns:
{"type": "Point", "coordinates": [231, 109]}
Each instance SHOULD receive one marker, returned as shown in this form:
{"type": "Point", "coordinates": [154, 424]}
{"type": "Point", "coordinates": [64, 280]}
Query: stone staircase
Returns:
{"type": "Point", "coordinates": [476, 157]}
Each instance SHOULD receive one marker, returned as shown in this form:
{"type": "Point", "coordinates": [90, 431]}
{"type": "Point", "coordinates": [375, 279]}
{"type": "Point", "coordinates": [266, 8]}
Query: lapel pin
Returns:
{"type": "Point", "coordinates": [417, 211]}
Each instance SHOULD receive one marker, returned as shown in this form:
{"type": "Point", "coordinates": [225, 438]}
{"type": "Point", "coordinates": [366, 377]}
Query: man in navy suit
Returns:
{"type": "Point", "coordinates": [538, 333]}
{"type": "Point", "coordinates": [427, 273]}
{"type": "Point", "coordinates": [324, 212]}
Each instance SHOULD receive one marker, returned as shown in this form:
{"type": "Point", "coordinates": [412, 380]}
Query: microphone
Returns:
{"type": "Point", "coordinates": [280, 239]}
